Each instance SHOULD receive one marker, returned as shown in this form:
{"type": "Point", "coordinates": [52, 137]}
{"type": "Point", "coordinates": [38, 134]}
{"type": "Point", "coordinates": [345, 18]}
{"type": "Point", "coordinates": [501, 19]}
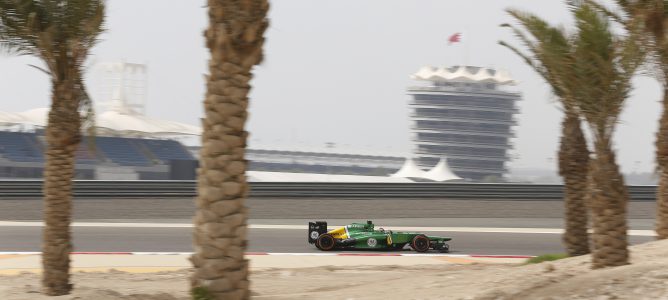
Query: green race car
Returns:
{"type": "Point", "coordinates": [364, 236]}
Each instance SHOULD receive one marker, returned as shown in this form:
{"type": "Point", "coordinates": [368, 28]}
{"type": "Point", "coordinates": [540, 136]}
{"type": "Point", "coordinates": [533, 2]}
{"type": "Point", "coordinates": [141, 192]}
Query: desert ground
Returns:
{"type": "Point", "coordinates": [570, 278]}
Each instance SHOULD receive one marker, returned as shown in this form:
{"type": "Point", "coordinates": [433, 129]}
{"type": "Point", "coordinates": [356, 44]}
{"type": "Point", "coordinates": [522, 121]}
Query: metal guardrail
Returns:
{"type": "Point", "coordinates": [160, 189]}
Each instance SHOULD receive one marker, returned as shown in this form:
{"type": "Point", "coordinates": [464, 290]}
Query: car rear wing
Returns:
{"type": "Point", "coordinates": [315, 229]}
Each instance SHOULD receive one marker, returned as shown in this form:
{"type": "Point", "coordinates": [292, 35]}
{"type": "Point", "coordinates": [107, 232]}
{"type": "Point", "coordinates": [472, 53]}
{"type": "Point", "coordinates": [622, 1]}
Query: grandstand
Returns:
{"type": "Point", "coordinates": [21, 156]}
{"type": "Point", "coordinates": [132, 146]}
{"type": "Point", "coordinates": [20, 147]}
{"type": "Point", "coordinates": [108, 157]}
{"type": "Point", "coordinates": [128, 144]}
{"type": "Point", "coordinates": [322, 162]}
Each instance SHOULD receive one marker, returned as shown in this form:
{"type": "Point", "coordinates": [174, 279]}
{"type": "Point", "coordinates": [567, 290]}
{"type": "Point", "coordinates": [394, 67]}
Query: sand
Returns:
{"type": "Point", "coordinates": [571, 278]}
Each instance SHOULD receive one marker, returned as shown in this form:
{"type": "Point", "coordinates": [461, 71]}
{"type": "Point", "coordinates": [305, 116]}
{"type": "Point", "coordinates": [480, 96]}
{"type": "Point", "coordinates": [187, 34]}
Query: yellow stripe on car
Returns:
{"type": "Point", "coordinates": [339, 233]}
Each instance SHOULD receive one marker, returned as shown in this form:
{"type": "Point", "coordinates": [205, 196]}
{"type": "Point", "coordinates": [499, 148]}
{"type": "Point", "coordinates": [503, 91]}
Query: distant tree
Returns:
{"type": "Point", "coordinates": [61, 33]}
{"type": "Point", "coordinates": [551, 56]}
{"type": "Point", "coordinates": [235, 37]}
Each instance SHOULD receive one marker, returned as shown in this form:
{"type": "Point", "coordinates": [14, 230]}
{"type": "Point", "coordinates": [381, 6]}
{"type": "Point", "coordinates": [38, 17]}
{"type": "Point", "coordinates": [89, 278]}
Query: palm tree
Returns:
{"type": "Point", "coordinates": [593, 72]}
{"type": "Point", "coordinates": [652, 18]}
{"type": "Point", "coordinates": [235, 39]}
{"type": "Point", "coordinates": [60, 33]}
{"type": "Point", "coordinates": [551, 57]}
{"type": "Point", "coordinates": [604, 65]}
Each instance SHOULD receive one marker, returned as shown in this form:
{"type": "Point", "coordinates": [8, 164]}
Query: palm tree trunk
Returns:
{"type": "Point", "coordinates": [573, 167]}
{"type": "Point", "coordinates": [62, 136]}
{"type": "Point", "coordinates": [235, 39]}
{"type": "Point", "coordinates": [662, 161]}
{"type": "Point", "coordinates": [609, 200]}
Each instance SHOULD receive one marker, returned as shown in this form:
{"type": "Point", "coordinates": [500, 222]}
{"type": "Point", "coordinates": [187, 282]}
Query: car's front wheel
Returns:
{"type": "Point", "coordinates": [420, 243]}
{"type": "Point", "coordinates": [325, 242]}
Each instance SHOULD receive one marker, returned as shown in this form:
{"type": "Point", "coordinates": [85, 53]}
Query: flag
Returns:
{"type": "Point", "coordinates": [454, 38]}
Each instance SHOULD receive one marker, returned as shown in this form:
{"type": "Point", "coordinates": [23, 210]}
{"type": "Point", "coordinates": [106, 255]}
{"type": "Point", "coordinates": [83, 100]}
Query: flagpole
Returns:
{"type": "Point", "coordinates": [466, 48]}
{"type": "Point", "coordinates": [456, 38]}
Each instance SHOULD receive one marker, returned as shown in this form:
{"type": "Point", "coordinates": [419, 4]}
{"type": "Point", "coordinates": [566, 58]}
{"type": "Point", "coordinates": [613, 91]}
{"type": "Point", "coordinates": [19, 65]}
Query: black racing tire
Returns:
{"type": "Point", "coordinates": [325, 242]}
{"type": "Point", "coordinates": [420, 243]}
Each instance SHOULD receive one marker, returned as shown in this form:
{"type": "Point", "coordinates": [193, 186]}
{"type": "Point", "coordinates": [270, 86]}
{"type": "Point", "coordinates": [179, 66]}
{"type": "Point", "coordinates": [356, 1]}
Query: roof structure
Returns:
{"type": "Point", "coordinates": [131, 123]}
{"type": "Point", "coordinates": [260, 176]}
{"type": "Point", "coordinates": [115, 121]}
{"type": "Point", "coordinates": [441, 172]}
{"type": "Point", "coordinates": [7, 118]}
{"type": "Point", "coordinates": [463, 74]}
{"type": "Point", "coordinates": [124, 107]}
{"type": "Point", "coordinates": [334, 148]}
{"type": "Point", "coordinates": [35, 116]}
{"type": "Point", "coordinates": [409, 169]}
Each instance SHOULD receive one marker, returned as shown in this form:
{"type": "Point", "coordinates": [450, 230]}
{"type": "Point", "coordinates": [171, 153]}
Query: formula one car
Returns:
{"type": "Point", "coordinates": [364, 236]}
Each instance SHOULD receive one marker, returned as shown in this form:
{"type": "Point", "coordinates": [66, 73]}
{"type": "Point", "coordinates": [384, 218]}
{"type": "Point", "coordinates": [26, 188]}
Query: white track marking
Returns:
{"type": "Point", "coordinates": [305, 227]}
{"type": "Point", "coordinates": [100, 224]}
{"type": "Point", "coordinates": [368, 254]}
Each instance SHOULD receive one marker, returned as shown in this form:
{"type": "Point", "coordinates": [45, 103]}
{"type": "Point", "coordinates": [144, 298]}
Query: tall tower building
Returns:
{"type": "Point", "coordinates": [461, 114]}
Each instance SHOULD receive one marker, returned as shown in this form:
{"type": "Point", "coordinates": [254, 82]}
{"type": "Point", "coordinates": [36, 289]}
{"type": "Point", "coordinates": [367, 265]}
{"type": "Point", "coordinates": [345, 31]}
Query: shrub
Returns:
{"type": "Point", "coordinates": [201, 293]}
{"type": "Point", "coordinates": [546, 257]}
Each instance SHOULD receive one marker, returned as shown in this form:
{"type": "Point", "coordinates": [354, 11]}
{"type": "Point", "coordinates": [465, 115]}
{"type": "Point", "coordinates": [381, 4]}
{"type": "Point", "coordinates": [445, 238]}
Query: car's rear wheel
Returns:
{"type": "Point", "coordinates": [325, 242]}
{"type": "Point", "coordinates": [420, 243]}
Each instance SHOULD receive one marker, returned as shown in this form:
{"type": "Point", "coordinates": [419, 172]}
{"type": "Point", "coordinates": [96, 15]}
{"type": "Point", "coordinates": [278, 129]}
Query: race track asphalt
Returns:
{"type": "Point", "coordinates": [268, 240]}
{"type": "Point", "coordinates": [384, 212]}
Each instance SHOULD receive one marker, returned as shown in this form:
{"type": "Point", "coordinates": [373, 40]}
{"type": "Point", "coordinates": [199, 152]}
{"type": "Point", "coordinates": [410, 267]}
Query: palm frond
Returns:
{"type": "Point", "coordinates": [87, 112]}
{"type": "Point", "coordinates": [605, 65]}
{"type": "Point", "coordinates": [61, 33]}
{"type": "Point", "coordinates": [589, 70]}
{"type": "Point", "coordinates": [647, 22]}
{"type": "Point", "coordinates": [527, 59]}
{"type": "Point", "coordinates": [549, 51]}
{"type": "Point", "coordinates": [615, 15]}
{"type": "Point", "coordinates": [45, 28]}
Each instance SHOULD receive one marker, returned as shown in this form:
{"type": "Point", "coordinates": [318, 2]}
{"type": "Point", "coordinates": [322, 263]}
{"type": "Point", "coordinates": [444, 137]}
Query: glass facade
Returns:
{"type": "Point", "coordinates": [451, 138]}
{"type": "Point", "coordinates": [474, 101]}
{"type": "Point", "coordinates": [470, 114]}
{"type": "Point", "coordinates": [475, 127]}
{"type": "Point", "coordinates": [470, 126]}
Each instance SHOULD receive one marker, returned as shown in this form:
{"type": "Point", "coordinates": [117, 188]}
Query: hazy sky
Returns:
{"type": "Point", "coordinates": [337, 71]}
